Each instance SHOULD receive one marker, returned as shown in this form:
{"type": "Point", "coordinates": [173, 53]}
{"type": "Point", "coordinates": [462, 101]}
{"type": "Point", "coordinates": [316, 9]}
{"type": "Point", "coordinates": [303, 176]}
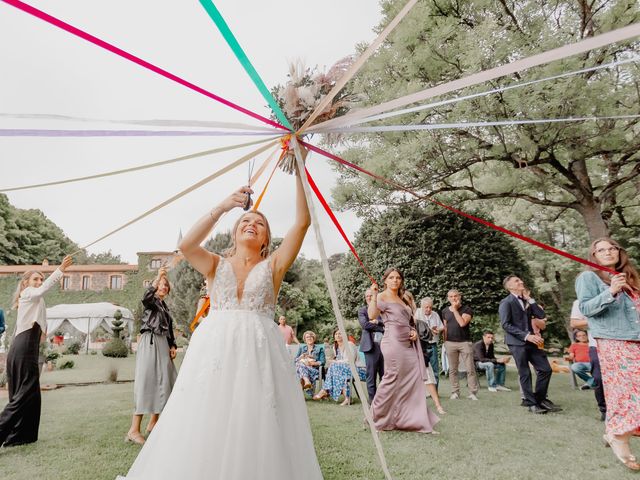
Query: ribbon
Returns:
{"type": "Point", "coordinates": [419, 108]}
{"type": "Point", "coordinates": [237, 50]}
{"type": "Point", "coordinates": [200, 313]}
{"type": "Point", "coordinates": [335, 221]}
{"type": "Point", "coordinates": [334, 302]}
{"type": "Point", "coordinates": [134, 169]}
{"type": "Point", "coordinates": [443, 126]}
{"type": "Point", "coordinates": [460, 212]}
{"type": "Point", "coordinates": [193, 187]}
{"type": "Point", "coordinates": [266, 185]}
{"type": "Point", "coordinates": [143, 63]}
{"type": "Point", "coordinates": [353, 69]}
{"type": "Point", "coordinates": [153, 123]}
{"type": "Point", "coordinates": [565, 51]}
{"type": "Point", "coordinates": [35, 132]}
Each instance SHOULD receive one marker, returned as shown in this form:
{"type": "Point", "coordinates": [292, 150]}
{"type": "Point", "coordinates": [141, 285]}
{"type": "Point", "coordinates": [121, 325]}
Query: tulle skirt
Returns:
{"type": "Point", "coordinates": [236, 411]}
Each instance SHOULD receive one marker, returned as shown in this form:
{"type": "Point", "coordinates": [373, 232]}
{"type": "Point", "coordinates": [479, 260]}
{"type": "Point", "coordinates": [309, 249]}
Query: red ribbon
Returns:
{"type": "Point", "coordinates": [327, 208]}
{"type": "Point", "coordinates": [143, 63]}
{"type": "Point", "coordinates": [460, 212]}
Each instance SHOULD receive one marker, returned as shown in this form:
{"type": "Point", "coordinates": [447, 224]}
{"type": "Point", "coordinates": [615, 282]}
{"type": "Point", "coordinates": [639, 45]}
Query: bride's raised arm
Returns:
{"type": "Point", "coordinates": [286, 253]}
{"type": "Point", "coordinates": [201, 259]}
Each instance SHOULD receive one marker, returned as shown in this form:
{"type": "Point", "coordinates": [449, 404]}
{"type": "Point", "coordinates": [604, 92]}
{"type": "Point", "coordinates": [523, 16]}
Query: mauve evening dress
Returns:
{"type": "Point", "coordinates": [400, 402]}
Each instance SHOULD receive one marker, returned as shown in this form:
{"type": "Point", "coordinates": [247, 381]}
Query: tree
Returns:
{"type": "Point", "coordinates": [187, 282]}
{"type": "Point", "coordinates": [116, 346]}
{"type": "Point", "coordinates": [435, 252]}
{"type": "Point", "coordinates": [29, 237]}
{"type": "Point", "coordinates": [589, 168]}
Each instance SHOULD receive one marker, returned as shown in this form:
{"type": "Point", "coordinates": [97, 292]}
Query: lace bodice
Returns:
{"type": "Point", "coordinates": [257, 295]}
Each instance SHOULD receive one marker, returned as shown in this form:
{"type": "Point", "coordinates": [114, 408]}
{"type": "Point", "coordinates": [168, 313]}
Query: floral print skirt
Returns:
{"type": "Point", "coordinates": [302, 370]}
{"type": "Point", "coordinates": [620, 364]}
{"type": "Point", "coordinates": [338, 378]}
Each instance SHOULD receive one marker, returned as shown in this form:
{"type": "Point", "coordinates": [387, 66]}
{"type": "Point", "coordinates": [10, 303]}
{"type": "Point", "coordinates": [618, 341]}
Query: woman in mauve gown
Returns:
{"type": "Point", "coordinates": [400, 402]}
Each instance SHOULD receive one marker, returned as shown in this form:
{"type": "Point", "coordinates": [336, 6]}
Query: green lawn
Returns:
{"type": "Point", "coordinates": [82, 429]}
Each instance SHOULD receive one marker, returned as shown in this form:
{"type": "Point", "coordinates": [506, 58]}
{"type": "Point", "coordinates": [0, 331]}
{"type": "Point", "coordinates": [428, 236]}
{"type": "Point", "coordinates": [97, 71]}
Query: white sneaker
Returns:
{"type": "Point", "coordinates": [454, 396]}
{"type": "Point", "coordinates": [502, 388]}
{"type": "Point", "coordinates": [492, 390]}
{"type": "Point", "coordinates": [472, 396]}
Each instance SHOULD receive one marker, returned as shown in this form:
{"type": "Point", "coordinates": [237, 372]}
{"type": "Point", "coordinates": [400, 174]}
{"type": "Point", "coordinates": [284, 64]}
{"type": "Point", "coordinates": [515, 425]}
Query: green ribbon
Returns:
{"type": "Point", "coordinates": [217, 18]}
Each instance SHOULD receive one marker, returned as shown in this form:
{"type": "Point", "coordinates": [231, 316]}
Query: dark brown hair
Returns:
{"type": "Point", "coordinates": [624, 264]}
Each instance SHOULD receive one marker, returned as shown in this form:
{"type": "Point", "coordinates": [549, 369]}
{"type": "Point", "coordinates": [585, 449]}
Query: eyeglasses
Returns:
{"type": "Point", "coordinates": [610, 249]}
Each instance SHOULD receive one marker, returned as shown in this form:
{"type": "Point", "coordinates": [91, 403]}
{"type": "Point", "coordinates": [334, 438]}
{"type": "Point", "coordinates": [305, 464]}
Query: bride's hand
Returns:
{"type": "Point", "coordinates": [236, 199]}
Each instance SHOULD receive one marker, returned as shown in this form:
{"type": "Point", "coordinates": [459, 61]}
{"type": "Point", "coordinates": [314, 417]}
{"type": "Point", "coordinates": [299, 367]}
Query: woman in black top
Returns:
{"type": "Point", "coordinates": [155, 371]}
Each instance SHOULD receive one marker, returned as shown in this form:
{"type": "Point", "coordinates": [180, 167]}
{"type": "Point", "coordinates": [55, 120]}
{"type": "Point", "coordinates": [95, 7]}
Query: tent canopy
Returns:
{"type": "Point", "coordinates": [86, 317]}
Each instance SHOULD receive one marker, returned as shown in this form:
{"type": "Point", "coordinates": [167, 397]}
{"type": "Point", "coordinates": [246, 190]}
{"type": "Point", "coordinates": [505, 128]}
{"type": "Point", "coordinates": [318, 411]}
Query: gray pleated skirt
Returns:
{"type": "Point", "coordinates": [155, 374]}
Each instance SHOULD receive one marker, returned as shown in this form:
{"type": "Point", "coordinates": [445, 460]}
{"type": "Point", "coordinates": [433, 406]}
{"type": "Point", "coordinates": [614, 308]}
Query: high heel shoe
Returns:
{"type": "Point", "coordinates": [622, 454]}
{"type": "Point", "coordinates": [136, 438]}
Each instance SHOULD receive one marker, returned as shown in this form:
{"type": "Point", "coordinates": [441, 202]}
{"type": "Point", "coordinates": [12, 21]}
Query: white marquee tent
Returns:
{"type": "Point", "coordinates": [86, 317]}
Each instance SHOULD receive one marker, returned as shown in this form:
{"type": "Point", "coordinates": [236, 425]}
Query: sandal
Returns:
{"type": "Point", "coordinates": [136, 438]}
{"type": "Point", "coordinates": [320, 395]}
{"type": "Point", "coordinates": [440, 410]}
{"type": "Point", "coordinates": [346, 402]}
{"type": "Point", "coordinates": [618, 448]}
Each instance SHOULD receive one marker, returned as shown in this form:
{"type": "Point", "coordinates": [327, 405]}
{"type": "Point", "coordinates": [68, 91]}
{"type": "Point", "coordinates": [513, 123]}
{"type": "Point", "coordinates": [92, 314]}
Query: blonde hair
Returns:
{"type": "Point", "coordinates": [24, 280]}
{"type": "Point", "coordinates": [265, 249]}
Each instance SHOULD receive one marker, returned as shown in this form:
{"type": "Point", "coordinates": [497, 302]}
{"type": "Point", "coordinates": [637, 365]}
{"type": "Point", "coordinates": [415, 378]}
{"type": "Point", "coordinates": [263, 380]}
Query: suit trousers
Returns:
{"type": "Point", "coordinates": [598, 389]}
{"type": "Point", "coordinates": [374, 362]}
{"type": "Point", "coordinates": [530, 353]}
{"type": "Point", "coordinates": [464, 351]}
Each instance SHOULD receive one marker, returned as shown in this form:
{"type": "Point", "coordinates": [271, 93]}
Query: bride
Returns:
{"type": "Point", "coordinates": [237, 411]}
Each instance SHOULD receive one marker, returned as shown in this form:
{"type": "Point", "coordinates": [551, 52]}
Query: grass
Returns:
{"type": "Point", "coordinates": [82, 429]}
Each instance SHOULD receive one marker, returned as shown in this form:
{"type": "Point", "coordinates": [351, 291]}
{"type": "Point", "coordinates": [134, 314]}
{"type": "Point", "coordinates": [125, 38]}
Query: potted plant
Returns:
{"type": "Point", "coordinates": [58, 337]}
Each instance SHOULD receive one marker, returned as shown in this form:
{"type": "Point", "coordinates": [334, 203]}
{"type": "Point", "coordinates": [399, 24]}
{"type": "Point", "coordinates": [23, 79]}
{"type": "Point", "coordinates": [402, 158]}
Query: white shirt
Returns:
{"type": "Point", "coordinates": [575, 313]}
{"type": "Point", "coordinates": [433, 320]}
{"type": "Point", "coordinates": [31, 307]}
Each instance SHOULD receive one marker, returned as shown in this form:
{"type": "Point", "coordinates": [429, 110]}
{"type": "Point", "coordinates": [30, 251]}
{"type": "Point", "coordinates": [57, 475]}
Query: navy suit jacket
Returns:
{"type": "Point", "coordinates": [515, 320]}
{"type": "Point", "coordinates": [366, 341]}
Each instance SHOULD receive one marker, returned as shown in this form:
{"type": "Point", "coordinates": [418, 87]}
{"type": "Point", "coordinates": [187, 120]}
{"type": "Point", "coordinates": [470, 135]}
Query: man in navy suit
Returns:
{"type": "Point", "coordinates": [522, 319]}
{"type": "Point", "coordinates": [372, 330]}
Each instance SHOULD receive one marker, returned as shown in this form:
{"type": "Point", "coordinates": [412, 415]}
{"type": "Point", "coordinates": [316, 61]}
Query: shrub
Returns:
{"type": "Point", "coordinates": [52, 356]}
{"type": "Point", "coordinates": [3, 379]}
{"type": "Point", "coordinates": [73, 348]}
{"type": "Point", "coordinates": [116, 346]}
{"type": "Point", "coordinates": [182, 342]}
{"type": "Point", "coordinates": [66, 364]}
{"type": "Point", "coordinates": [93, 352]}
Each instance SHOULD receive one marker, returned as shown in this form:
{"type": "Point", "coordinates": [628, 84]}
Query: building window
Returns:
{"type": "Point", "coordinates": [86, 282]}
{"type": "Point", "coordinates": [115, 282]}
{"type": "Point", "coordinates": [156, 263]}
{"type": "Point", "coordinates": [66, 283]}
{"type": "Point", "coordinates": [146, 283]}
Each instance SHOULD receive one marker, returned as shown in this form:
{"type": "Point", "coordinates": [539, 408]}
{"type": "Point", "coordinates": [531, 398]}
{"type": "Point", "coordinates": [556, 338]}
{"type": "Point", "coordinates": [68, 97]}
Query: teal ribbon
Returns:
{"type": "Point", "coordinates": [217, 18]}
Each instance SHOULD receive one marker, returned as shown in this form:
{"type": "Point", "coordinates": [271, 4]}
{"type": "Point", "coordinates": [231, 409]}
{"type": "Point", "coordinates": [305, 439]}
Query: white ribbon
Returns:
{"type": "Point", "coordinates": [565, 51]}
{"type": "Point", "coordinates": [184, 192]}
{"type": "Point", "coordinates": [442, 126]}
{"type": "Point", "coordinates": [336, 306]}
{"type": "Point", "coordinates": [134, 169]}
{"type": "Point", "coordinates": [395, 113]}
{"type": "Point", "coordinates": [357, 65]}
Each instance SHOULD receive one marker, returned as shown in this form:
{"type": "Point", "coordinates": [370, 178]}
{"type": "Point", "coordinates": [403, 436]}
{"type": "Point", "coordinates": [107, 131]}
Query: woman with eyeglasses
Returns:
{"type": "Point", "coordinates": [611, 303]}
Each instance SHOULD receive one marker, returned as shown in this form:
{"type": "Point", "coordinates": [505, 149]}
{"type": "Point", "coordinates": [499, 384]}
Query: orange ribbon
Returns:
{"type": "Point", "coordinates": [205, 306]}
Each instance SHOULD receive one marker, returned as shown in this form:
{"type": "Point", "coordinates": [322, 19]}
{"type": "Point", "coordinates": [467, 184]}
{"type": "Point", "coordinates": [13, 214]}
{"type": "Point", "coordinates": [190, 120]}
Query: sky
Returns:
{"type": "Point", "coordinates": [45, 70]}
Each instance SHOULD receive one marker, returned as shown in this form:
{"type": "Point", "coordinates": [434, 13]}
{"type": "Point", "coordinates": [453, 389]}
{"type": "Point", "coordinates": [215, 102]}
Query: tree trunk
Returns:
{"type": "Point", "coordinates": [596, 225]}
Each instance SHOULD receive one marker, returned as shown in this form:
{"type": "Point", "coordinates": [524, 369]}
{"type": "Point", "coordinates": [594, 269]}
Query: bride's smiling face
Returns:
{"type": "Point", "coordinates": [252, 229]}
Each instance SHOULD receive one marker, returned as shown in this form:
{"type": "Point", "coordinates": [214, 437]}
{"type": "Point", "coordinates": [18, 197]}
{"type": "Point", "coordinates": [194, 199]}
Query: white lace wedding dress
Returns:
{"type": "Point", "coordinates": [237, 411]}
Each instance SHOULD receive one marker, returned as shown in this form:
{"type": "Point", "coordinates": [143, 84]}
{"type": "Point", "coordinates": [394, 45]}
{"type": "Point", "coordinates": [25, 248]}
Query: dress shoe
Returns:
{"type": "Point", "coordinates": [523, 403]}
{"type": "Point", "coordinates": [550, 406]}
{"type": "Point", "coordinates": [536, 409]}
{"type": "Point", "coordinates": [603, 416]}
{"type": "Point", "coordinates": [585, 387]}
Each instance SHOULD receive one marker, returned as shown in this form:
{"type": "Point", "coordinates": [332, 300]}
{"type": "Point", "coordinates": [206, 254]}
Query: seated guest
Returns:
{"type": "Point", "coordinates": [579, 355]}
{"type": "Point", "coordinates": [580, 322]}
{"type": "Point", "coordinates": [308, 360]}
{"type": "Point", "coordinates": [339, 372]}
{"type": "Point", "coordinates": [486, 360]}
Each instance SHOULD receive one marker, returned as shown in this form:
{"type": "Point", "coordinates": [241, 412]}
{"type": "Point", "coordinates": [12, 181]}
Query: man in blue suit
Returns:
{"type": "Point", "coordinates": [372, 330]}
{"type": "Point", "coordinates": [522, 319]}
